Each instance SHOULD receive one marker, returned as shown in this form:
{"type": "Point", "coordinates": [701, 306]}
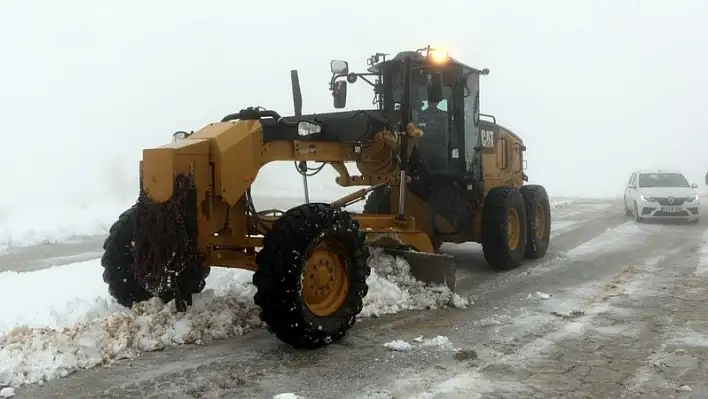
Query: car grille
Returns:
{"type": "Point", "coordinates": [677, 201]}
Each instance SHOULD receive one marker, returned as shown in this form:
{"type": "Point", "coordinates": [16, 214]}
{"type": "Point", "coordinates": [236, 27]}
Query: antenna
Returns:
{"type": "Point", "coordinates": [297, 93]}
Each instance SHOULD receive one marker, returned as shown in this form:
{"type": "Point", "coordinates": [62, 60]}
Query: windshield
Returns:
{"type": "Point", "coordinates": [663, 180]}
{"type": "Point", "coordinates": [419, 92]}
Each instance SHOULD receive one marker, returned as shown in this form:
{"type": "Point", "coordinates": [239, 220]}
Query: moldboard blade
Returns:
{"type": "Point", "coordinates": [436, 269]}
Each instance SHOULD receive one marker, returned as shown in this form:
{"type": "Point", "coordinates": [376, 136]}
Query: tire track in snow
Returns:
{"type": "Point", "coordinates": [474, 273]}
{"type": "Point", "coordinates": [702, 264]}
{"type": "Point", "coordinates": [487, 284]}
{"type": "Point", "coordinates": [452, 378]}
{"type": "Point", "coordinates": [672, 359]}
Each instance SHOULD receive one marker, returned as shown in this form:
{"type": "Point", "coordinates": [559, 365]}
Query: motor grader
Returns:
{"type": "Point", "coordinates": [432, 169]}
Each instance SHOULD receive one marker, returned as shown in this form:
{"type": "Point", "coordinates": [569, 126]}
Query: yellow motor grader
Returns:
{"type": "Point", "coordinates": [432, 169]}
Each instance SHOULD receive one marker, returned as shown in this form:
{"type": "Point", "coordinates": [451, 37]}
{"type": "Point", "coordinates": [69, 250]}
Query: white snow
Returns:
{"type": "Point", "coordinates": [24, 225]}
{"type": "Point", "coordinates": [561, 203]}
{"type": "Point", "coordinates": [684, 388]}
{"type": "Point", "coordinates": [392, 289]}
{"type": "Point", "coordinates": [614, 238]}
{"type": "Point", "coordinates": [543, 295]}
{"type": "Point", "coordinates": [66, 320]}
{"type": "Point", "coordinates": [288, 395]}
{"type": "Point", "coordinates": [7, 392]}
{"type": "Point", "coordinates": [398, 345]}
{"type": "Point", "coordinates": [440, 342]}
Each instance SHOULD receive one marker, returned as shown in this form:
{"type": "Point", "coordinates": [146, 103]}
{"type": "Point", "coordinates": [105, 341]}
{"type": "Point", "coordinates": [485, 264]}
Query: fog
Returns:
{"type": "Point", "coordinates": [595, 88]}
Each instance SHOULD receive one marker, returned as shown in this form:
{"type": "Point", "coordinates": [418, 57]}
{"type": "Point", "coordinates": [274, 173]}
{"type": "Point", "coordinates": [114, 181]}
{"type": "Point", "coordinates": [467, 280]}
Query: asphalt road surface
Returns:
{"type": "Point", "coordinates": [615, 310]}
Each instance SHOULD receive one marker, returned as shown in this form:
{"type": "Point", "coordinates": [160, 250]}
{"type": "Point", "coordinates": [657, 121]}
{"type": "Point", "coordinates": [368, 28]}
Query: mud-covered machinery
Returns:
{"type": "Point", "coordinates": [433, 171]}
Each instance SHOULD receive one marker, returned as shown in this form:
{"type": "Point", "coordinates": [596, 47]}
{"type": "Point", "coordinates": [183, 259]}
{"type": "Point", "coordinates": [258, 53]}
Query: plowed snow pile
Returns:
{"type": "Point", "coordinates": [53, 338]}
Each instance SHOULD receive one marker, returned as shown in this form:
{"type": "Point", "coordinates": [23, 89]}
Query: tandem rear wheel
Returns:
{"type": "Point", "coordinates": [311, 276]}
{"type": "Point", "coordinates": [516, 224]}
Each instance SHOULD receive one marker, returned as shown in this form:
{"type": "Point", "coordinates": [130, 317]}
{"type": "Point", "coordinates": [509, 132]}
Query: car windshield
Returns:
{"type": "Point", "coordinates": [663, 180]}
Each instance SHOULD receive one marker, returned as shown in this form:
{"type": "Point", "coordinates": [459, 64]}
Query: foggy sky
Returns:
{"type": "Point", "coordinates": [595, 88]}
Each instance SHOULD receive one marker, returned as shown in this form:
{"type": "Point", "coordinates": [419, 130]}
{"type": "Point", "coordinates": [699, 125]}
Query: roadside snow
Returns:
{"type": "Point", "coordinates": [56, 297]}
{"type": "Point", "coordinates": [67, 321]}
{"type": "Point", "coordinates": [7, 392]}
{"type": "Point", "coordinates": [20, 226]}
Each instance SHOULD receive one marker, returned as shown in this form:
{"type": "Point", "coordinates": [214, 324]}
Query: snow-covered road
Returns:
{"type": "Point", "coordinates": [543, 330]}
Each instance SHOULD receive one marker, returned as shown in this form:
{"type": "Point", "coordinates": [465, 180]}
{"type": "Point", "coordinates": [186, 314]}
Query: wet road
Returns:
{"type": "Point", "coordinates": [616, 309]}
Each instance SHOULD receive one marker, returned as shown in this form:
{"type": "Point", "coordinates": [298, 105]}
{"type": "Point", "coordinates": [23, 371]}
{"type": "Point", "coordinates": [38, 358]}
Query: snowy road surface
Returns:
{"type": "Point", "coordinates": [615, 310]}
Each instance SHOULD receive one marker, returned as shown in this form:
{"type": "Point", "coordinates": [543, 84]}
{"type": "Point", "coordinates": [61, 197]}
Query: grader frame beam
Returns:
{"type": "Point", "coordinates": [224, 159]}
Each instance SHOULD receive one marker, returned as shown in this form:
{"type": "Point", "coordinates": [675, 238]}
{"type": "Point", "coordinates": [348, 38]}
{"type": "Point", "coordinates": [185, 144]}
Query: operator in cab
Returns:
{"type": "Point", "coordinates": [432, 120]}
{"type": "Point", "coordinates": [433, 145]}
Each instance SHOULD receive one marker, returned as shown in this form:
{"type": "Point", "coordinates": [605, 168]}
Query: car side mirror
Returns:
{"type": "Point", "coordinates": [339, 94]}
{"type": "Point", "coordinates": [435, 88]}
{"type": "Point", "coordinates": [694, 185]}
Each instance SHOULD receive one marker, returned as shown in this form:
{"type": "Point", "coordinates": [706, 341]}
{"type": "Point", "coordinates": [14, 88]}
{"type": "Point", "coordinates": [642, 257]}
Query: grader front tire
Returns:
{"type": "Point", "coordinates": [311, 277]}
{"type": "Point", "coordinates": [504, 231]}
{"type": "Point", "coordinates": [118, 266]}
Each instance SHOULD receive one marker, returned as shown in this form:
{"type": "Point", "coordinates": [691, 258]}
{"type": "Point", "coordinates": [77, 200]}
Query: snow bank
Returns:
{"type": "Point", "coordinates": [67, 321]}
{"type": "Point", "coordinates": [393, 289]}
{"type": "Point", "coordinates": [25, 226]}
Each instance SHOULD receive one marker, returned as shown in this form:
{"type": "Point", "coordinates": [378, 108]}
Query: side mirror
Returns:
{"type": "Point", "coordinates": [339, 92]}
{"type": "Point", "coordinates": [435, 88]}
{"type": "Point", "coordinates": [694, 185]}
{"type": "Point", "coordinates": [339, 67]}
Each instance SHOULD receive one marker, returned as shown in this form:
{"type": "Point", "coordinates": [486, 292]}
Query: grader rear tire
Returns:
{"type": "Point", "coordinates": [311, 277]}
{"type": "Point", "coordinates": [117, 261]}
{"type": "Point", "coordinates": [538, 215]}
{"type": "Point", "coordinates": [504, 228]}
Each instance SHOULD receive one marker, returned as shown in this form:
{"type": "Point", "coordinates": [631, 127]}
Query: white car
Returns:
{"type": "Point", "coordinates": [661, 194]}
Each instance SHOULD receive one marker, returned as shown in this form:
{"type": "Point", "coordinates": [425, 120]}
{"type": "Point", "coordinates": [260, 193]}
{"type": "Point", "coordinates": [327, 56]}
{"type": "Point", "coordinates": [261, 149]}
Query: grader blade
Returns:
{"type": "Point", "coordinates": [437, 269]}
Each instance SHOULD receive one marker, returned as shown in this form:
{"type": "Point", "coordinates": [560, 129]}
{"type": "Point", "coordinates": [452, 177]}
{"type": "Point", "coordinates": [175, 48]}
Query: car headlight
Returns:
{"type": "Point", "coordinates": [692, 198]}
{"type": "Point", "coordinates": [647, 198]}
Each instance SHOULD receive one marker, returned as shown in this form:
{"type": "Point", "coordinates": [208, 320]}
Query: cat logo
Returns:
{"type": "Point", "coordinates": [487, 137]}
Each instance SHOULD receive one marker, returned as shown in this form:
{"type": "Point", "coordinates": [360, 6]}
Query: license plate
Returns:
{"type": "Point", "coordinates": [671, 209]}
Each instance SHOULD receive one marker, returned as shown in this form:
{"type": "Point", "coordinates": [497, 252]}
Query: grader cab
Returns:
{"type": "Point", "coordinates": [433, 171]}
